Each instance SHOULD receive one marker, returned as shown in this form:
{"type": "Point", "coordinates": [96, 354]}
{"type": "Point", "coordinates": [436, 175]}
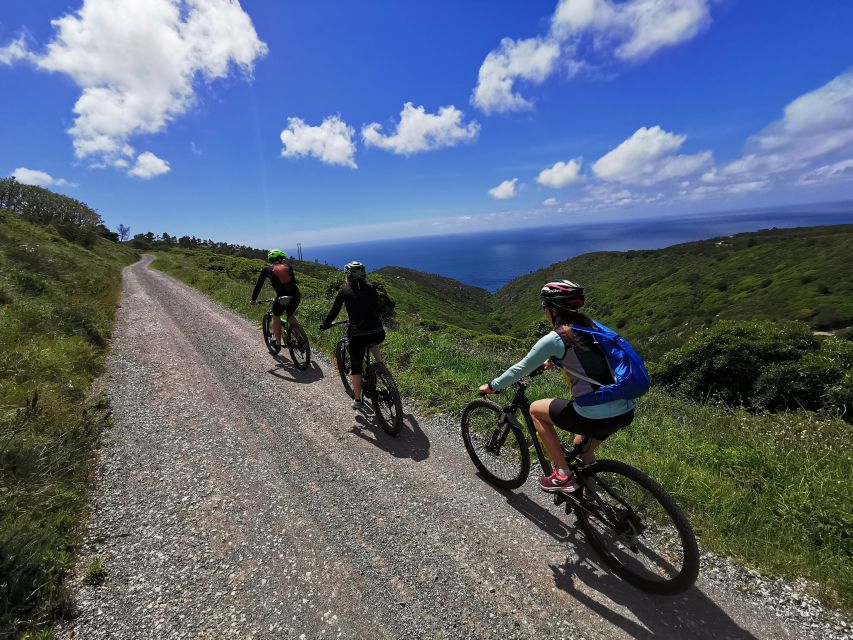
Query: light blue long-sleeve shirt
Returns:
{"type": "Point", "coordinates": [552, 346]}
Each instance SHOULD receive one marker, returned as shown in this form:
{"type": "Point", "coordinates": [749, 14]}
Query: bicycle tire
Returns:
{"type": "Point", "coordinates": [298, 346]}
{"type": "Point", "coordinates": [502, 446]}
{"type": "Point", "coordinates": [385, 399]}
{"type": "Point", "coordinates": [615, 493]}
{"type": "Point", "coordinates": [266, 328]}
{"type": "Point", "coordinates": [342, 360]}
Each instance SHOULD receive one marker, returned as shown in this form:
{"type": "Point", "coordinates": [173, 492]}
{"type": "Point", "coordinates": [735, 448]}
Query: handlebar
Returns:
{"type": "Point", "coordinates": [335, 324]}
{"type": "Point", "coordinates": [538, 371]}
{"type": "Point", "coordinates": [282, 299]}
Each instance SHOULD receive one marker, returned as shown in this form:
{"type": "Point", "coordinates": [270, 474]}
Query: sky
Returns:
{"type": "Point", "coordinates": [271, 122]}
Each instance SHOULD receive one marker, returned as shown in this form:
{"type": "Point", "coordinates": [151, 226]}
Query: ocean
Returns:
{"type": "Point", "coordinates": [490, 259]}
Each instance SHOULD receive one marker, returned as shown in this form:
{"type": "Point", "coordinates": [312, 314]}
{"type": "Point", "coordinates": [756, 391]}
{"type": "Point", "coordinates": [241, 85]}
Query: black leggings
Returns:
{"type": "Point", "coordinates": [358, 346]}
{"type": "Point", "coordinates": [564, 416]}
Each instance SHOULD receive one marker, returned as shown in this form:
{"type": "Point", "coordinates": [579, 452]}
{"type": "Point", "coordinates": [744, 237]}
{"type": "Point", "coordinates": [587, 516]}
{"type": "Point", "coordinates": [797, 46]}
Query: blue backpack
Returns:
{"type": "Point", "coordinates": [630, 378]}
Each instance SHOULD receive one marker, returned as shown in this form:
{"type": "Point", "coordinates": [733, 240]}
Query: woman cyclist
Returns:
{"type": "Point", "coordinates": [365, 327]}
{"type": "Point", "coordinates": [581, 360]}
{"type": "Point", "coordinates": [283, 280]}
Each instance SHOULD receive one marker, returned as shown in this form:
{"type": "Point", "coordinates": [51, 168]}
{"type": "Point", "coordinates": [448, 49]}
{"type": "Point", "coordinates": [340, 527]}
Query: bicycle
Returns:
{"type": "Point", "coordinates": [377, 384]}
{"type": "Point", "coordinates": [293, 335]}
{"type": "Point", "coordinates": [630, 520]}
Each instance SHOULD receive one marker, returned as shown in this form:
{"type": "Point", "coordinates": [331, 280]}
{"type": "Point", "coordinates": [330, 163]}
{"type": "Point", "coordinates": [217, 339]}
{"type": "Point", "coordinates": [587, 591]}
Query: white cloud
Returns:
{"type": "Point", "coordinates": [840, 171]}
{"type": "Point", "coordinates": [14, 51]}
{"type": "Point", "coordinates": [603, 30]}
{"type": "Point", "coordinates": [532, 60]}
{"type": "Point", "coordinates": [551, 202]}
{"type": "Point", "coordinates": [504, 190]}
{"type": "Point", "coordinates": [148, 166]}
{"type": "Point", "coordinates": [194, 148]}
{"type": "Point", "coordinates": [418, 130]}
{"type": "Point", "coordinates": [39, 178]}
{"type": "Point", "coordinates": [331, 142]}
{"type": "Point", "coordinates": [137, 63]}
{"type": "Point", "coordinates": [649, 156]}
{"type": "Point", "coordinates": [561, 174]}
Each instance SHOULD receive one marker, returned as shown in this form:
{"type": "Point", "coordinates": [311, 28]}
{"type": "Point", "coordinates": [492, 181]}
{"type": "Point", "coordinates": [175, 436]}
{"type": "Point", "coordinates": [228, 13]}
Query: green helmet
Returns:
{"type": "Point", "coordinates": [275, 254]}
{"type": "Point", "coordinates": [355, 271]}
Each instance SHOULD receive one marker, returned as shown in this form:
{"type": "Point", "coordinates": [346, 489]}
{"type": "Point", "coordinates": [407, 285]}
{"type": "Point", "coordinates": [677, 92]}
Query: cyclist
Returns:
{"type": "Point", "coordinates": [283, 280]}
{"type": "Point", "coordinates": [580, 359]}
{"type": "Point", "coordinates": [365, 328]}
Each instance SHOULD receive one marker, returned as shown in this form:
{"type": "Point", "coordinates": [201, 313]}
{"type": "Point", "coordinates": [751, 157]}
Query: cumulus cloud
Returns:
{"type": "Point", "coordinates": [649, 156]}
{"type": "Point", "coordinates": [601, 30]}
{"type": "Point", "coordinates": [330, 142]}
{"type": "Point", "coordinates": [504, 190]}
{"type": "Point", "coordinates": [551, 202]}
{"type": "Point", "coordinates": [838, 172]}
{"type": "Point", "coordinates": [419, 131]}
{"type": "Point", "coordinates": [148, 166]}
{"type": "Point", "coordinates": [532, 60]}
{"type": "Point", "coordinates": [137, 62]}
{"type": "Point", "coordinates": [14, 51]}
{"type": "Point", "coordinates": [561, 174]}
{"type": "Point", "coordinates": [39, 178]}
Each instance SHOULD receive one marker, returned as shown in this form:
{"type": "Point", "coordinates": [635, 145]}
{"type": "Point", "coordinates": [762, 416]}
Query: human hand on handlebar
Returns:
{"type": "Point", "coordinates": [548, 365]}
{"type": "Point", "coordinates": [486, 389]}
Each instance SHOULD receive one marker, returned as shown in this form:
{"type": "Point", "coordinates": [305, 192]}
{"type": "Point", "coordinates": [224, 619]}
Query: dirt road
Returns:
{"type": "Point", "coordinates": [239, 497]}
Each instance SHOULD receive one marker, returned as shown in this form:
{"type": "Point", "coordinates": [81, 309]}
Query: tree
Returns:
{"type": "Point", "coordinates": [123, 232]}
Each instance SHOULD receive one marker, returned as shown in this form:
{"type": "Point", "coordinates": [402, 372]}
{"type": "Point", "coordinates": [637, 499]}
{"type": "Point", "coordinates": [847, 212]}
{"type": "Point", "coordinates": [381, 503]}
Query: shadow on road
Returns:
{"type": "Point", "coordinates": [688, 615]}
{"type": "Point", "coordinates": [288, 371]}
{"type": "Point", "coordinates": [411, 442]}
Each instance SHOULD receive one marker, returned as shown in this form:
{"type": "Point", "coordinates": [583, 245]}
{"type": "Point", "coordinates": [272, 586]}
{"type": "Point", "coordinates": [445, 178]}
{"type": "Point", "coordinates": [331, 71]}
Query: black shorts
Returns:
{"type": "Point", "coordinates": [290, 308]}
{"type": "Point", "coordinates": [358, 346]}
{"type": "Point", "coordinates": [564, 416]}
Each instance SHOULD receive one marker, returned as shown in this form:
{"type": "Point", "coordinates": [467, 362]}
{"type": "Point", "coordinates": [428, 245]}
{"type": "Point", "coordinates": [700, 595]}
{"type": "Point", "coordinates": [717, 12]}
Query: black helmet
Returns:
{"type": "Point", "coordinates": [355, 271]}
{"type": "Point", "coordinates": [562, 294]}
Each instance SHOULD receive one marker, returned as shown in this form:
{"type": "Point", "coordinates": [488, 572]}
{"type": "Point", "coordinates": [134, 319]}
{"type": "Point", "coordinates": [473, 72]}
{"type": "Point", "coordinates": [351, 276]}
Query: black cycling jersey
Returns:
{"type": "Point", "coordinates": [362, 308]}
{"type": "Point", "coordinates": [281, 278]}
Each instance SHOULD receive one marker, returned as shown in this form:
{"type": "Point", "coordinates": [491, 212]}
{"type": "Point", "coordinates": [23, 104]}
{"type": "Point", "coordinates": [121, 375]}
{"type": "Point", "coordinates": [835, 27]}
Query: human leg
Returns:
{"type": "Point", "coordinates": [539, 413]}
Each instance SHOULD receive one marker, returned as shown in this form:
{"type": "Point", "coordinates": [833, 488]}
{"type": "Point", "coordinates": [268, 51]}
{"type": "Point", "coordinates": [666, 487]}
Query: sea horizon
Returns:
{"type": "Point", "coordinates": [491, 258]}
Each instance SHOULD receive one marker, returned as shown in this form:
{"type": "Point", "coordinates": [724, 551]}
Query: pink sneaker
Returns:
{"type": "Point", "coordinates": [558, 483]}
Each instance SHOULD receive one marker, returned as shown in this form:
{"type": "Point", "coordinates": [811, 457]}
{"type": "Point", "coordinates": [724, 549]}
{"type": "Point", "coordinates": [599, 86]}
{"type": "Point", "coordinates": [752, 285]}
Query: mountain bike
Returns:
{"type": "Point", "coordinates": [630, 520]}
{"type": "Point", "coordinates": [293, 335]}
{"type": "Point", "coordinates": [377, 384]}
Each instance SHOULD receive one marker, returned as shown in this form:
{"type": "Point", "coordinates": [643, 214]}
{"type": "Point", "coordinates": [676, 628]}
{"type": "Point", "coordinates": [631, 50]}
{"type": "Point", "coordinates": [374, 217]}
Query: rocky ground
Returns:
{"type": "Point", "coordinates": [239, 497]}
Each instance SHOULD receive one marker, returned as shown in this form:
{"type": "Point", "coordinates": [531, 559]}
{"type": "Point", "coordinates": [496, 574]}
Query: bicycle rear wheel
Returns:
{"type": "Point", "coordinates": [342, 360]}
{"type": "Point", "coordinates": [637, 528]}
{"type": "Point", "coordinates": [269, 339]}
{"type": "Point", "coordinates": [297, 344]}
{"type": "Point", "coordinates": [386, 399]}
{"type": "Point", "coordinates": [498, 450]}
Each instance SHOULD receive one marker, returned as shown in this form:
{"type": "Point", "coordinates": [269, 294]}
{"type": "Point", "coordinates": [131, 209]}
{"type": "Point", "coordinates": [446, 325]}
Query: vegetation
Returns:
{"type": "Point", "coordinates": [765, 365]}
{"type": "Point", "coordinates": [57, 300]}
{"type": "Point", "coordinates": [659, 298]}
{"type": "Point", "coordinates": [96, 572]}
{"type": "Point", "coordinates": [770, 490]}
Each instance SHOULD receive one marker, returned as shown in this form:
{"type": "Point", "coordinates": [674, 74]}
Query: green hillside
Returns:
{"type": "Point", "coordinates": [57, 302]}
{"type": "Point", "coordinates": [658, 298]}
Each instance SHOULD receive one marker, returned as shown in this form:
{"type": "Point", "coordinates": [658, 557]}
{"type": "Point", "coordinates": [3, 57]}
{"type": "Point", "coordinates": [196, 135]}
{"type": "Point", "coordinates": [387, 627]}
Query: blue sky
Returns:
{"type": "Point", "coordinates": [174, 115]}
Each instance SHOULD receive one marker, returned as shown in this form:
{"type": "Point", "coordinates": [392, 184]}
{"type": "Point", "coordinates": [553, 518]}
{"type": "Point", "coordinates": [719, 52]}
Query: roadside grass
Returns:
{"type": "Point", "coordinates": [57, 302]}
{"type": "Point", "coordinates": [96, 572]}
{"type": "Point", "coordinates": [772, 491]}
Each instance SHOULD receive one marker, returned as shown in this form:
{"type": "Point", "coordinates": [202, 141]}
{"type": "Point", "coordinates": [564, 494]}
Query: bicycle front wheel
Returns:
{"type": "Point", "coordinates": [637, 528]}
{"type": "Point", "coordinates": [297, 344]}
{"type": "Point", "coordinates": [497, 448]}
{"type": "Point", "coordinates": [342, 360]}
{"type": "Point", "coordinates": [386, 400]}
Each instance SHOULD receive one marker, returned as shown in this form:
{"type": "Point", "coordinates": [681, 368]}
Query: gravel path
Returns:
{"type": "Point", "coordinates": [239, 497]}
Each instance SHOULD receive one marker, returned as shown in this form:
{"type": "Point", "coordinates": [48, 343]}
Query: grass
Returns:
{"type": "Point", "coordinates": [96, 572]}
{"type": "Point", "coordinates": [57, 302]}
{"type": "Point", "coordinates": [771, 491]}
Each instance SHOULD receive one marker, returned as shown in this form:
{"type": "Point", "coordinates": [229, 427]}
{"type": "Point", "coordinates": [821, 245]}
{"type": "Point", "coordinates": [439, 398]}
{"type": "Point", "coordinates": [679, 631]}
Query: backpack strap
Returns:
{"type": "Point", "coordinates": [568, 341]}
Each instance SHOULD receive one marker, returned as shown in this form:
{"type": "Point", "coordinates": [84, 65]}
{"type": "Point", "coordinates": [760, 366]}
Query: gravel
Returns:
{"type": "Point", "coordinates": [237, 497]}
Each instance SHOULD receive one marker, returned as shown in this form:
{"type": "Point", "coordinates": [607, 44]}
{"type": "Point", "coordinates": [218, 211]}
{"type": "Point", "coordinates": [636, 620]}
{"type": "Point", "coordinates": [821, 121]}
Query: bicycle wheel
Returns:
{"type": "Point", "coordinates": [386, 399]}
{"type": "Point", "coordinates": [637, 528]}
{"type": "Point", "coordinates": [498, 450]}
{"type": "Point", "coordinates": [269, 340]}
{"type": "Point", "coordinates": [344, 368]}
{"type": "Point", "coordinates": [297, 344]}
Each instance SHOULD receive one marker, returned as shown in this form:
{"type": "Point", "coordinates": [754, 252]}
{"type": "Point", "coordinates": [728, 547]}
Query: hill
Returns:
{"type": "Point", "coordinates": [658, 298]}
{"type": "Point", "coordinates": [57, 301]}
